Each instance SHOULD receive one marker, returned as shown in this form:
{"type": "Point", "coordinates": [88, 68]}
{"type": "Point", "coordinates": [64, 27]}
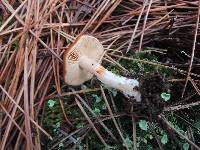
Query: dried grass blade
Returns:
{"type": "Point", "coordinates": [113, 118]}
{"type": "Point", "coordinates": [41, 129]}
{"type": "Point", "coordinates": [91, 123]}
{"type": "Point", "coordinates": [193, 50]}
{"type": "Point", "coordinates": [180, 134]}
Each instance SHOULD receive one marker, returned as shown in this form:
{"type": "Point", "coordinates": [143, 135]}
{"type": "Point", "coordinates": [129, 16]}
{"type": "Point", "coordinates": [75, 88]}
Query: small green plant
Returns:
{"type": "Point", "coordinates": [61, 146]}
{"type": "Point", "coordinates": [53, 117]}
{"type": "Point", "coordinates": [143, 125]}
{"type": "Point", "coordinates": [186, 146]}
{"type": "Point", "coordinates": [197, 121]}
{"type": "Point", "coordinates": [80, 125]}
{"type": "Point", "coordinates": [96, 111]}
{"type": "Point", "coordinates": [51, 103]}
{"type": "Point", "coordinates": [128, 142]}
{"type": "Point", "coordinates": [165, 96]}
{"type": "Point", "coordinates": [79, 147]}
{"type": "Point", "coordinates": [99, 105]}
{"type": "Point", "coordinates": [97, 98]}
{"type": "Point", "coordinates": [164, 139]}
{"type": "Point", "coordinates": [114, 69]}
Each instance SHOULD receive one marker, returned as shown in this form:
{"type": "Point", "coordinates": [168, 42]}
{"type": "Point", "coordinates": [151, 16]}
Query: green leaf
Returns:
{"type": "Point", "coordinates": [150, 137]}
{"type": "Point", "coordinates": [51, 103]}
{"type": "Point", "coordinates": [145, 141]}
{"type": "Point", "coordinates": [58, 125]}
{"type": "Point", "coordinates": [165, 96]}
{"type": "Point", "coordinates": [80, 147]}
{"type": "Point", "coordinates": [197, 125]}
{"type": "Point", "coordinates": [97, 98]}
{"type": "Point", "coordinates": [114, 93]}
{"type": "Point", "coordinates": [164, 139]}
{"type": "Point", "coordinates": [128, 142]}
{"type": "Point", "coordinates": [104, 107]}
{"type": "Point", "coordinates": [61, 145]}
{"type": "Point", "coordinates": [186, 146]}
{"type": "Point", "coordinates": [143, 125]}
{"type": "Point", "coordinates": [96, 111]}
{"type": "Point", "coordinates": [197, 121]}
{"type": "Point", "coordinates": [80, 125]}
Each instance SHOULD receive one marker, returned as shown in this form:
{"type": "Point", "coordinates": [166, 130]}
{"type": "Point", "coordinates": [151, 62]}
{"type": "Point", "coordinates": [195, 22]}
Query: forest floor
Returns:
{"type": "Point", "coordinates": [154, 41]}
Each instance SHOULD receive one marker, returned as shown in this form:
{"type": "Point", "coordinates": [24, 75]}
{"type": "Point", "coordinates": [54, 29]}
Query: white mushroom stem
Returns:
{"type": "Point", "coordinates": [125, 85]}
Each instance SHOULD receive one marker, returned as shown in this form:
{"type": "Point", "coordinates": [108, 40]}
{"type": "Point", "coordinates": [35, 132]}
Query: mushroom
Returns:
{"type": "Point", "coordinates": [82, 60]}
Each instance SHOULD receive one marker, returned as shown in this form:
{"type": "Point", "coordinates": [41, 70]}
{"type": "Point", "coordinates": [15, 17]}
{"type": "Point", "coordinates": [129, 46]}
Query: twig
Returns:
{"type": "Point", "coordinates": [91, 124]}
{"type": "Point", "coordinates": [114, 121]}
{"type": "Point", "coordinates": [193, 50]}
{"type": "Point", "coordinates": [180, 134]}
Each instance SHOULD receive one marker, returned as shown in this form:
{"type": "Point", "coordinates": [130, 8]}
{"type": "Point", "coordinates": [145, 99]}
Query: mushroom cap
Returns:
{"type": "Point", "coordinates": [84, 45]}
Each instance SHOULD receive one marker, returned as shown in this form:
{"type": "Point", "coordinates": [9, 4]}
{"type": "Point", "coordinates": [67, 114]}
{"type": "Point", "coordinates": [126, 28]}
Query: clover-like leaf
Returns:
{"type": "Point", "coordinates": [97, 111]}
{"type": "Point", "coordinates": [97, 98]}
{"type": "Point", "coordinates": [143, 125]}
{"type": "Point", "coordinates": [80, 125]}
{"type": "Point", "coordinates": [58, 125]}
{"type": "Point", "coordinates": [128, 142]}
{"type": "Point", "coordinates": [165, 96]}
{"type": "Point", "coordinates": [164, 139]}
{"type": "Point", "coordinates": [80, 147]}
{"type": "Point", "coordinates": [150, 137]}
{"type": "Point", "coordinates": [186, 146]}
{"type": "Point", "coordinates": [61, 145]}
{"type": "Point", "coordinates": [51, 103]}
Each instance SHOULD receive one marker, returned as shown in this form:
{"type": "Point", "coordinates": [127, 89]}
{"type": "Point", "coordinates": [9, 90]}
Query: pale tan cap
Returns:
{"type": "Point", "coordinates": [84, 45]}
